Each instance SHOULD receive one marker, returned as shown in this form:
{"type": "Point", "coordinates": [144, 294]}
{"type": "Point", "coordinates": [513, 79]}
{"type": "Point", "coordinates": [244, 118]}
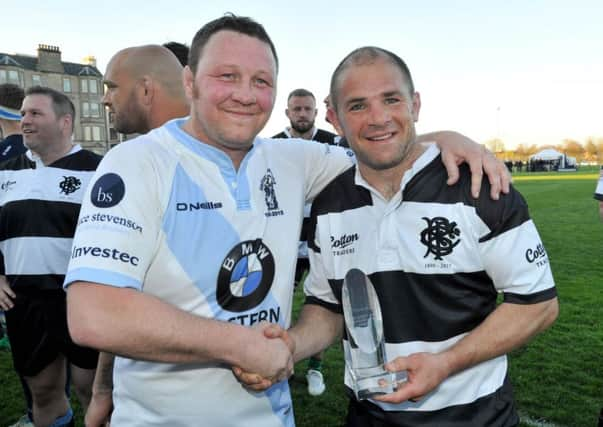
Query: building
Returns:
{"type": "Point", "coordinates": [81, 82]}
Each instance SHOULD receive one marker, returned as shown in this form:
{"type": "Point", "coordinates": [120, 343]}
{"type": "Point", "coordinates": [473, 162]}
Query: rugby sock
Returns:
{"type": "Point", "coordinates": [64, 421]}
{"type": "Point", "coordinates": [315, 364]}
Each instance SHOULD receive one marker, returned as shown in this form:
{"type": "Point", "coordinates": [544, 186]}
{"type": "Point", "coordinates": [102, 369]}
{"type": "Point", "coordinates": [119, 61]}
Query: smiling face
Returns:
{"type": "Point", "coordinates": [41, 127]}
{"type": "Point", "coordinates": [232, 94]}
{"type": "Point", "coordinates": [377, 113]}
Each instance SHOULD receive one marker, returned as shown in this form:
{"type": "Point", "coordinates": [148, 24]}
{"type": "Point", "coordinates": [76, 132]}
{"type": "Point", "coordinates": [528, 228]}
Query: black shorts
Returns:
{"type": "Point", "coordinates": [359, 416]}
{"type": "Point", "coordinates": [500, 413]}
{"type": "Point", "coordinates": [37, 329]}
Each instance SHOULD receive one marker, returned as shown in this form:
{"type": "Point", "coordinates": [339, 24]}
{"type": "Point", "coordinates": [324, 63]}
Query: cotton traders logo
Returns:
{"type": "Point", "coordinates": [440, 236]}
{"type": "Point", "coordinates": [108, 191]}
{"type": "Point", "coordinates": [245, 276]}
{"type": "Point", "coordinates": [342, 244]}
{"type": "Point", "coordinates": [7, 186]}
{"type": "Point", "coordinates": [70, 184]}
{"type": "Point", "coordinates": [537, 255]}
{"type": "Point", "coordinates": [267, 185]}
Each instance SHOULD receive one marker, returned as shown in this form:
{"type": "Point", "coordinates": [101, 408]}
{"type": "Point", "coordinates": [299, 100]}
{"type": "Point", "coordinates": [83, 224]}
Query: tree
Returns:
{"type": "Point", "coordinates": [532, 149]}
{"type": "Point", "coordinates": [599, 144]}
{"type": "Point", "coordinates": [521, 152]}
{"type": "Point", "coordinates": [590, 149]}
{"type": "Point", "coordinates": [573, 148]}
{"type": "Point", "coordinates": [496, 145]}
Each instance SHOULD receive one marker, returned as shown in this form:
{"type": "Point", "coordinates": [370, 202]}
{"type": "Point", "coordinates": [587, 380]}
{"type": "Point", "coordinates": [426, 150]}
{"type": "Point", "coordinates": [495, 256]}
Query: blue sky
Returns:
{"type": "Point", "coordinates": [525, 71]}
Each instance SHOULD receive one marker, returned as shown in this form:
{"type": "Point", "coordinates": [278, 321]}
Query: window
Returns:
{"type": "Point", "coordinates": [66, 85]}
{"type": "Point", "coordinates": [92, 133]}
{"type": "Point", "coordinates": [36, 80]}
{"type": "Point", "coordinates": [15, 77]}
{"type": "Point", "coordinates": [11, 76]}
{"type": "Point", "coordinates": [90, 109]}
{"type": "Point", "coordinates": [94, 110]}
{"type": "Point", "coordinates": [112, 134]}
{"type": "Point", "coordinates": [89, 86]}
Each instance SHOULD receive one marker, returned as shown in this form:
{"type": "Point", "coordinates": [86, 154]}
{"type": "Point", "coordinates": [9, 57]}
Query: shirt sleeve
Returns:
{"type": "Point", "coordinates": [119, 223]}
{"type": "Point", "coordinates": [323, 163]}
{"type": "Point", "coordinates": [513, 253]}
{"type": "Point", "coordinates": [317, 288]}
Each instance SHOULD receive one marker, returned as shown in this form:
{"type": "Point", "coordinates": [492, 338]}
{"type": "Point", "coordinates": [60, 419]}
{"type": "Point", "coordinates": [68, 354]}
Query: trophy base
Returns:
{"type": "Point", "coordinates": [380, 382]}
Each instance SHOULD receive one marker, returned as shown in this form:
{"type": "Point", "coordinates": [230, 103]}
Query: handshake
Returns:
{"type": "Point", "coordinates": [269, 361]}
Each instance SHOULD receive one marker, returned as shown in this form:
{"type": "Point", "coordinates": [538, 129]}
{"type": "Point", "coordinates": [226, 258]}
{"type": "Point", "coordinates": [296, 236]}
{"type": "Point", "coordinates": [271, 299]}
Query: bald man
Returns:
{"type": "Point", "coordinates": [143, 91]}
{"type": "Point", "coordinates": [144, 88]}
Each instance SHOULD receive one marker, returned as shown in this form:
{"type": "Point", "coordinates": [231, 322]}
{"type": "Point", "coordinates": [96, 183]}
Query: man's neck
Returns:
{"type": "Point", "coordinates": [387, 182]}
{"type": "Point", "coordinates": [306, 135]}
{"type": "Point", "coordinates": [236, 154]}
{"type": "Point", "coordinates": [55, 152]}
{"type": "Point", "coordinates": [169, 110]}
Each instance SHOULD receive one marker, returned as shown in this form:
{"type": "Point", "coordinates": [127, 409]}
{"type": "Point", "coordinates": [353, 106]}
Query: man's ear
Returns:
{"type": "Point", "coordinates": [416, 106]}
{"type": "Point", "coordinates": [67, 124]}
{"type": "Point", "coordinates": [147, 90]}
{"type": "Point", "coordinates": [332, 116]}
{"type": "Point", "coordinates": [188, 81]}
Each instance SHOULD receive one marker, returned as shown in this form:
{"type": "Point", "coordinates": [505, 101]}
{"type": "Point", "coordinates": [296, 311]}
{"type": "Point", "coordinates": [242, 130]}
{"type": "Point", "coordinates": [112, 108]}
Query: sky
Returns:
{"type": "Point", "coordinates": [527, 72]}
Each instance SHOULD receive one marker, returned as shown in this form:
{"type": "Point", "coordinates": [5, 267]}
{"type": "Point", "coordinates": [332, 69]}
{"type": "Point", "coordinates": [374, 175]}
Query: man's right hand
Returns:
{"type": "Point", "coordinates": [6, 295]}
{"type": "Point", "coordinates": [99, 410]}
{"type": "Point", "coordinates": [252, 379]}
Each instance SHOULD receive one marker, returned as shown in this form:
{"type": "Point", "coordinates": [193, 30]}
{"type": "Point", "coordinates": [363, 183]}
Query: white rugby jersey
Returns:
{"type": "Point", "coordinates": [326, 137]}
{"type": "Point", "coordinates": [599, 190]}
{"type": "Point", "coordinates": [437, 258]}
{"type": "Point", "coordinates": [39, 206]}
{"type": "Point", "coordinates": [170, 216]}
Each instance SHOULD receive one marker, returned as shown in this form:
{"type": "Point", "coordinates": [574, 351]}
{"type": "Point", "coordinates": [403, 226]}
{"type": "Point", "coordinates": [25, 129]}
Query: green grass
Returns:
{"type": "Point", "coordinates": [558, 377]}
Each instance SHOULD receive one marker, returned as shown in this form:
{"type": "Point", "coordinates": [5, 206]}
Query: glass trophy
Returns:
{"type": "Point", "coordinates": [365, 354]}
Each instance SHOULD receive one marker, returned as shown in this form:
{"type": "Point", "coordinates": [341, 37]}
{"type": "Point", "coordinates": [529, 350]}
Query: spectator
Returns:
{"type": "Point", "coordinates": [38, 213]}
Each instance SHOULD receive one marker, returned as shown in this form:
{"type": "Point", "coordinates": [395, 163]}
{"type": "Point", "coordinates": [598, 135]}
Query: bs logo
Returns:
{"type": "Point", "coordinates": [108, 191]}
{"type": "Point", "coordinates": [245, 276]}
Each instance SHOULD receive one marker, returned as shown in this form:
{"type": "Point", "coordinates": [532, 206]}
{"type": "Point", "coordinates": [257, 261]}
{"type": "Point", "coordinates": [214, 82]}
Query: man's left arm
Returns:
{"type": "Point", "coordinates": [513, 255]}
{"type": "Point", "coordinates": [506, 328]}
{"type": "Point", "coordinates": [457, 148]}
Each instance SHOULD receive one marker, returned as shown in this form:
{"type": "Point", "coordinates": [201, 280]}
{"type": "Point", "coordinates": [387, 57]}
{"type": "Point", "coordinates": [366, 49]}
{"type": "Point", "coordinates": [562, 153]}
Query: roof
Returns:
{"type": "Point", "coordinates": [31, 63]}
{"type": "Point", "coordinates": [547, 154]}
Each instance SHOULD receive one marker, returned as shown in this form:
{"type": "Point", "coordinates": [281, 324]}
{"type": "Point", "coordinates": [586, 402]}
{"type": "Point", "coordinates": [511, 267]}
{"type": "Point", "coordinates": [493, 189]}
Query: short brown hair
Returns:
{"type": "Point", "coordinates": [367, 55]}
{"type": "Point", "coordinates": [11, 96]}
{"type": "Point", "coordinates": [301, 93]}
{"type": "Point", "coordinates": [228, 22]}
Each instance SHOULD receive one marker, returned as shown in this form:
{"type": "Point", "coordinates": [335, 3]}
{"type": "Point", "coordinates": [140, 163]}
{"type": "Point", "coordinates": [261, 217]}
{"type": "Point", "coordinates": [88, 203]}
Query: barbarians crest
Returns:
{"type": "Point", "coordinates": [440, 236]}
{"type": "Point", "coordinates": [70, 184]}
